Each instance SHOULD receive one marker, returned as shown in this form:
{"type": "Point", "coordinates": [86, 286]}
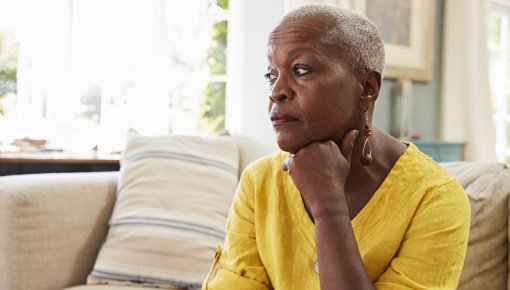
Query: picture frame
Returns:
{"type": "Point", "coordinates": [407, 27]}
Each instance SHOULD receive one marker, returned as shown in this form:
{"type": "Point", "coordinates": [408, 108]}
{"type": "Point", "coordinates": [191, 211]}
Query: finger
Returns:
{"type": "Point", "coordinates": [286, 163]}
{"type": "Point", "coordinates": [348, 143]}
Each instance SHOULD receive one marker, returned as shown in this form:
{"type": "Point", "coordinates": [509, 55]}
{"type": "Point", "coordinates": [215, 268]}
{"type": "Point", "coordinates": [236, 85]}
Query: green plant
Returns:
{"type": "Point", "coordinates": [213, 116]}
{"type": "Point", "coordinates": [8, 63]}
{"type": "Point", "coordinates": [213, 111]}
{"type": "Point", "coordinates": [8, 71]}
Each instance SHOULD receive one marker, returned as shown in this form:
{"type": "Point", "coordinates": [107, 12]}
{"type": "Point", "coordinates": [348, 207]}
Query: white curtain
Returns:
{"type": "Point", "coordinates": [465, 94]}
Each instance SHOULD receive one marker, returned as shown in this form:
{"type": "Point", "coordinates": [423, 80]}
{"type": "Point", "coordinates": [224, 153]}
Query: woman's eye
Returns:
{"type": "Point", "coordinates": [299, 71]}
{"type": "Point", "coordinates": [270, 76]}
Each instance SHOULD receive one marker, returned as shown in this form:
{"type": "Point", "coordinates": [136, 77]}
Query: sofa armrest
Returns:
{"type": "Point", "coordinates": [52, 226]}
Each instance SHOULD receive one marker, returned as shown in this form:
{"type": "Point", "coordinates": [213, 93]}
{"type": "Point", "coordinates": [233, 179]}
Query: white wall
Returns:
{"type": "Point", "coordinates": [247, 90]}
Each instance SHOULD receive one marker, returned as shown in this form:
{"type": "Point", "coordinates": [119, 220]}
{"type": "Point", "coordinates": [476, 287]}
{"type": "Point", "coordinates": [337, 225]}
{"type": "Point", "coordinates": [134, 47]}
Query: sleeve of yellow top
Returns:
{"type": "Point", "coordinates": [239, 265]}
{"type": "Point", "coordinates": [432, 253]}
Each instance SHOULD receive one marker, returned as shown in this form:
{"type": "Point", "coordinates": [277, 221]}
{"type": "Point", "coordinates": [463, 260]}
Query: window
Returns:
{"type": "Point", "coordinates": [90, 70]}
{"type": "Point", "coordinates": [8, 72]}
{"type": "Point", "coordinates": [499, 62]}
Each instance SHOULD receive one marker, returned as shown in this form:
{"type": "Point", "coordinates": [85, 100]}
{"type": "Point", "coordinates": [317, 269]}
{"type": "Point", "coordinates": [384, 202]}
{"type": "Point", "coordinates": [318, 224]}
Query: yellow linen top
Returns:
{"type": "Point", "coordinates": [412, 234]}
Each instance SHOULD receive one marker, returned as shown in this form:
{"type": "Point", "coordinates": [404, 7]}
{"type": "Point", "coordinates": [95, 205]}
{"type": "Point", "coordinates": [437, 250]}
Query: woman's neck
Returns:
{"type": "Point", "coordinates": [385, 150]}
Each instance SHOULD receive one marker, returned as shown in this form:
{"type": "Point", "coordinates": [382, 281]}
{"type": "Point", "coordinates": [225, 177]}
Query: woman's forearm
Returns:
{"type": "Point", "coordinates": [340, 264]}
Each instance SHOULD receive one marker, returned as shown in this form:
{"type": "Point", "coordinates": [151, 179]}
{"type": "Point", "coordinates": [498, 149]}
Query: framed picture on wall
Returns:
{"type": "Point", "coordinates": [407, 27]}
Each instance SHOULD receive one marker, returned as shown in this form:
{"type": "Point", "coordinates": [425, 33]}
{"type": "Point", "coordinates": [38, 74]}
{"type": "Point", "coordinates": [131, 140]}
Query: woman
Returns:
{"type": "Point", "coordinates": [342, 206]}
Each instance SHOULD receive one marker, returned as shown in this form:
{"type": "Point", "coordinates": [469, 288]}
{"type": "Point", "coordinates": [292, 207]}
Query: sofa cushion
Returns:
{"type": "Point", "coordinates": [250, 149]}
{"type": "Point", "coordinates": [173, 199]}
{"type": "Point", "coordinates": [51, 227]}
{"type": "Point", "coordinates": [487, 186]}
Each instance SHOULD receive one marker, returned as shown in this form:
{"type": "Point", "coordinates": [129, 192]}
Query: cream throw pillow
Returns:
{"type": "Point", "coordinates": [174, 194]}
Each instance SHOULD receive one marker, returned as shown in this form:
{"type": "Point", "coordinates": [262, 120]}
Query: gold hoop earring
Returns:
{"type": "Point", "coordinates": [366, 157]}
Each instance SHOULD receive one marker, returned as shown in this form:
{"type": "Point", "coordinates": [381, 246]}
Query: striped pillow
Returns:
{"type": "Point", "coordinates": [174, 193]}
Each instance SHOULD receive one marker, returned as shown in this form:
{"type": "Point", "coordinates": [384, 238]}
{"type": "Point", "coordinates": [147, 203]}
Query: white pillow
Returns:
{"type": "Point", "coordinates": [174, 194]}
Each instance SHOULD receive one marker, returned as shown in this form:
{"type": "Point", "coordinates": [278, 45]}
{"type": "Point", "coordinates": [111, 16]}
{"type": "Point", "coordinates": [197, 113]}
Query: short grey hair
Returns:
{"type": "Point", "coordinates": [359, 37]}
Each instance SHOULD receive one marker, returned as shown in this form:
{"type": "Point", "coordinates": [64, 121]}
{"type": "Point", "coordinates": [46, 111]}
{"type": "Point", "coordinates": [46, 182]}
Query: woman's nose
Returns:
{"type": "Point", "coordinates": [280, 90]}
{"type": "Point", "coordinates": [277, 98]}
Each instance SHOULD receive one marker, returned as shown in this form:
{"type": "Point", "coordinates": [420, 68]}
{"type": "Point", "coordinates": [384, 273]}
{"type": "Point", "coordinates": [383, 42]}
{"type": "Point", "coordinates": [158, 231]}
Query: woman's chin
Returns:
{"type": "Point", "coordinates": [288, 146]}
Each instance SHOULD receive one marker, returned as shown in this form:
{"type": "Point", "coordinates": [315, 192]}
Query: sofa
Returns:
{"type": "Point", "coordinates": [53, 225]}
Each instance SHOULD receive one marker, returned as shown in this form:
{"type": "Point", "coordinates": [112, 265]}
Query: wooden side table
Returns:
{"type": "Point", "coordinates": [46, 162]}
{"type": "Point", "coordinates": [442, 151]}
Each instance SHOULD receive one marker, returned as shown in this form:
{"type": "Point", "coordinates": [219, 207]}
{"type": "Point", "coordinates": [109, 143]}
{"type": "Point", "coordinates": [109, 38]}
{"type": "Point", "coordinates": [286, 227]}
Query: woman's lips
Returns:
{"type": "Point", "coordinates": [281, 118]}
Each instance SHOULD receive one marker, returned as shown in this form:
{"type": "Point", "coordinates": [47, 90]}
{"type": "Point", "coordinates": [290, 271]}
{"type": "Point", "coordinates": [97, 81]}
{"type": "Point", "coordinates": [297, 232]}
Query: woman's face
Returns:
{"type": "Point", "coordinates": [313, 95]}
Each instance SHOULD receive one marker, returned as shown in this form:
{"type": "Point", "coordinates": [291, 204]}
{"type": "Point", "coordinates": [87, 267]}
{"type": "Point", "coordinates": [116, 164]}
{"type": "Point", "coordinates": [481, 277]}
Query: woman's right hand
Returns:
{"type": "Point", "coordinates": [319, 171]}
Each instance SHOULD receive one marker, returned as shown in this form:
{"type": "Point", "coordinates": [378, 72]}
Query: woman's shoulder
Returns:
{"type": "Point", "coordinates": [416, 186]}
{"type": "Point", "coordinates": [264, 177]}
{"type": "Point", "coordinates": [416, 165]}
{"type": "Point", "coordinates": [416, 176]}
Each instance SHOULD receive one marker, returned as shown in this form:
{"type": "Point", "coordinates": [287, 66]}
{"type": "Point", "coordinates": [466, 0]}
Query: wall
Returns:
{"type": "Point", "coordinates": [425, 117]}
{"type": "Point", "coordinates": [247, 92]}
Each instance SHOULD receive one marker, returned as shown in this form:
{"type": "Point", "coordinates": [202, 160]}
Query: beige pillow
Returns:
{"type": "Point", "coordinates": [174, 194]}
{"type": "Point", "coordinates": [487, 186]}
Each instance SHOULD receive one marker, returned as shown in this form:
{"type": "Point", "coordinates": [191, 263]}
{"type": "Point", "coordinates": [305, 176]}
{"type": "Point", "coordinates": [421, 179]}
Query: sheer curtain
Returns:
{"type": "Point", "coordinates": [90, 69]}
{"type": "Point", "coordinates": [465, 95]}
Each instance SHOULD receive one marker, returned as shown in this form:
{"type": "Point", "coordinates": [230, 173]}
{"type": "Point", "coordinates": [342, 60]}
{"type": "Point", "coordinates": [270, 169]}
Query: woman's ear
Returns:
{"type": "Point", "coordinates": [371, 82]}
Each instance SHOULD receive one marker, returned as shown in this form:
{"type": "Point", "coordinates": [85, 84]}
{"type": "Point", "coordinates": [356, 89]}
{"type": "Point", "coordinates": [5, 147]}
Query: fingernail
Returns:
{"type": "Point", "coordinates": [356, 134]}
